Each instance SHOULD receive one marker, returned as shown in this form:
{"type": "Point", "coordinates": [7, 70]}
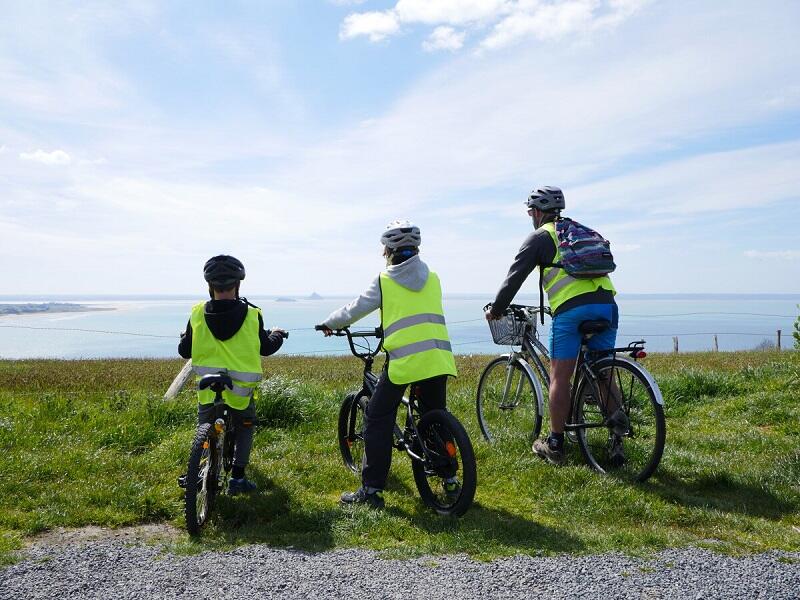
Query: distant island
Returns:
{"type": "Point", "coordinates": [315, 296]}
{"type": "Point", "coordinates": [285, 299]}
{"type": "Point", "coordinates": [46, 307]}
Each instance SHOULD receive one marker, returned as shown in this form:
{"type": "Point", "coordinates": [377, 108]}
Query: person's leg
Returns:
{"type": "Point", "coordinates": [243, 421]}
{"type": "Point", "coordinates": [560, 388]}
{"type": "Point", "coordinates": [432, 395]}
{"type": "Point", "coordinates": [379, 419]}
{"type": "Point", "coordinates": [205, 413]}
{"type": "Point", "coordinates": [609, 392]}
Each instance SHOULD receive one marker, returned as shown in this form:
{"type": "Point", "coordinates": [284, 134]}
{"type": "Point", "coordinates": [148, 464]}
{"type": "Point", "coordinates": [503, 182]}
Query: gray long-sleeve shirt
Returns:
{"type": "Point", "coordinates": [538, 249]}
{"type": "Point", "coordinates": [411, 274]}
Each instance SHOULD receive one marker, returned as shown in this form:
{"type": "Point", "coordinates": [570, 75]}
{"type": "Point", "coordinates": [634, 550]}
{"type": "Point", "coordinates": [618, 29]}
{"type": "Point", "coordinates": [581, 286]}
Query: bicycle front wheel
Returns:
{"type": "Point", "coordinates": [508, 402]}
{"type": "Point", "coordinates": [201, 479]}
{"type": "Point", "coordinates": [351, 431]}
{"type": "Point", "coordinates": [447, 477]}
{"type": "Point", "coordinates": [622, 416]}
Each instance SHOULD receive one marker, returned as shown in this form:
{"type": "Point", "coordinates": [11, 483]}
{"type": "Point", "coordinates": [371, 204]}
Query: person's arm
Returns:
{"type": "Point", "coordinates": [367, 302]}
{"type": "Point", "coordinates": [185, 345]}
{"type": "Point", "coordinates": [537, 249]}
{"type": "Point", "coordinates": [271, 341]}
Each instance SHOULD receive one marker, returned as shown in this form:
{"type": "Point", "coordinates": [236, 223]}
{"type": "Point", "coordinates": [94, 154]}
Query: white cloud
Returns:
{"type": "Point", "coordinates": [510, 20]}
{"type": "Point", "coordinates": [773, 254]}
{"type": "Point", "coordinates": [56, 157]}
{"type": "Point", "coordinates": [375, 25]}
{"type": "Point", "coordinates": [444, 38]}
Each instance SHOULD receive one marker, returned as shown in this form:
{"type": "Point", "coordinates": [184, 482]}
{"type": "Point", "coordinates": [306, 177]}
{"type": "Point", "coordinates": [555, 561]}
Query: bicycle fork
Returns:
{"type": "Point", "coordinates": [504, 405]}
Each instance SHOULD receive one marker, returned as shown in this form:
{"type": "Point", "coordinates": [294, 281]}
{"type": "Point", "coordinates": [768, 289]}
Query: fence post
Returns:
{"type": "Point", "coordinates": [716, 343]}
{"type": "Point", "coordinates": [779, 340]}
{"type": "Point", "coordinates": [675, 344]}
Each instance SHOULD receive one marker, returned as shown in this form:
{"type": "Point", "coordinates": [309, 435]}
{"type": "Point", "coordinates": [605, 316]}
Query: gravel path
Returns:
{"type": "Point", "coordinates": [114, 569]}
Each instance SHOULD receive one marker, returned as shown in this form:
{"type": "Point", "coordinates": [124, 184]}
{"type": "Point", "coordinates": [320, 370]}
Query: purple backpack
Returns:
{"type": "Point", "coordinates": [585, 254]}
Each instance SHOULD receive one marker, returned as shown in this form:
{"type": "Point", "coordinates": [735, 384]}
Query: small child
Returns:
{"type": "Point", "coordinates": [227, 334]}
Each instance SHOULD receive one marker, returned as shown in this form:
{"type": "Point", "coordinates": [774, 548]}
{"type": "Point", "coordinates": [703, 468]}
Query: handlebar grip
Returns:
{"type": "Point", "coordinates": [319, 328]}
{"type": "Point", "coordinates": [285, 335]}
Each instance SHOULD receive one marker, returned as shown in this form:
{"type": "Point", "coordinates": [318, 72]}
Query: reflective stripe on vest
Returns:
{"type": "Point", "coordinates": [560, 286]}
{"type": "Point", "coordinates": [238, 356]}
{"type": "Point", "coordinates": [415, 334]}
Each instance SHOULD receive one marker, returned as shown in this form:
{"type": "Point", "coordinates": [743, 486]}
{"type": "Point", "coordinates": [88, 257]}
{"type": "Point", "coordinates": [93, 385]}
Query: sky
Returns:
{"type": "Point", "coordinates": [138, 140]}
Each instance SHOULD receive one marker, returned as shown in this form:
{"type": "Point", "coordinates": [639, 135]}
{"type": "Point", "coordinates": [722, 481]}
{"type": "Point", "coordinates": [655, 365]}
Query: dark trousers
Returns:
{"type": "Point", "coordinates": [243, 429]}
{"type": "Point", "coordinates": [380, 418]}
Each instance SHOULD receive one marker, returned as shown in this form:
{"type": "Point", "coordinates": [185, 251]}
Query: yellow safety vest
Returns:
{"type": "Point", "coordinates": [561, 287]}
{"type": "Point", "coordinates": [239, 357]}
{"type": "Point", "coordinates": [415, 335]}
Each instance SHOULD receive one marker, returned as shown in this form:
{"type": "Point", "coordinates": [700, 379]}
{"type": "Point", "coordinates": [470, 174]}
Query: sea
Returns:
{"type": "Point", "coordinates": [150, 326]}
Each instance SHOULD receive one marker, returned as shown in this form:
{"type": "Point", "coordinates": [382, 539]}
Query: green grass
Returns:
{"type": "Point", "coordinates": [91, 442]}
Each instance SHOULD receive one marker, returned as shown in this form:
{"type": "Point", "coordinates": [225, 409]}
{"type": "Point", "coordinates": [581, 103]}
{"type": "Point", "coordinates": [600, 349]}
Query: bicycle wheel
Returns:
{"type": "Point", "coordinates": [201, 479]}
{"type": "Point", "coordinates": [447, 478]}
{"type": "Point", "coordinates": [633, 447]}
{"type": "Point", "coordinates": [351, 431]}
{"type": "Point", "coordinates": [508, 401]}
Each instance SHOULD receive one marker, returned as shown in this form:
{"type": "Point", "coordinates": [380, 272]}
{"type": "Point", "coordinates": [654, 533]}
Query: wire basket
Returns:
{"type": "Point", "coordinates": [508, 330]}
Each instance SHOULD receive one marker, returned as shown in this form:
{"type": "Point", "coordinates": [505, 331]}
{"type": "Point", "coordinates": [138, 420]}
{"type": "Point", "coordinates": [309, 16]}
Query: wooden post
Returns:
{"type": "Point", "coordinates": [675, 344]}
{"type": "Point", "coordinates": [716, 343]}
{"type": "Point", "coordinates": [779, 340]}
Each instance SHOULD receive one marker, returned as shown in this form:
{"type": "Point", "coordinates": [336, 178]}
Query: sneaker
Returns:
{"type": "Point", "coordinates": [362, 496]}
{"type": "Point", "coordinates": [547, 449]}
{"type": "Point", "coordinates": [452, 488]}
{"type": "Point", "coordinates": [240, 486]}
{"type": "Point", "coordinates": [616, 452]}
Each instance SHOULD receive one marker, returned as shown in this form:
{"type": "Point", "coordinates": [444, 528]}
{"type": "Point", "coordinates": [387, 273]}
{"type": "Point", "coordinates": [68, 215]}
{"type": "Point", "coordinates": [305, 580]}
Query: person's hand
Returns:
{"type": "Point", "coordinates": [281, 332]}
{"type": "Point", "coordinates": [327, 331]}
{"type": "Point", "coordinates": [490, 316]}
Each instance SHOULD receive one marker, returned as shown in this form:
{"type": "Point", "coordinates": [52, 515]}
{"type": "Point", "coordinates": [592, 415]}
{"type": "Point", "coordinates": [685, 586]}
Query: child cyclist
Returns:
{"type": "Point", "coordinates": [226, 334]}
{"type": "Point", "coordinates": [417, 345]}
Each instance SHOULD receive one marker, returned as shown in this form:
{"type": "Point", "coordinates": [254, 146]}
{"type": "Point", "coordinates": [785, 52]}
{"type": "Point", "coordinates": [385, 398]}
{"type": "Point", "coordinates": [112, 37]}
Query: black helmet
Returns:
{"type": "Point", "coordinates": [223, 271]}
{"type": "Point", "coordinates": [546, 198]}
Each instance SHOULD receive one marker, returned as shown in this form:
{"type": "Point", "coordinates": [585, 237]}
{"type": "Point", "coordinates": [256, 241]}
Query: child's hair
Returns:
{"type": "Point", "coordinates": [400, 255]}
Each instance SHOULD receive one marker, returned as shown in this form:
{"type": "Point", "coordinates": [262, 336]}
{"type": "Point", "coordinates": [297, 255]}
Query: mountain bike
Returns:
{"type": "Point", "coordinates": [437, 444]}
{"type": "Point", "coordinates": [512, 389]}
{"type": "Point", "coordinates": [210, 459]}
{"type": "Point", "coordinates": [617, 410]}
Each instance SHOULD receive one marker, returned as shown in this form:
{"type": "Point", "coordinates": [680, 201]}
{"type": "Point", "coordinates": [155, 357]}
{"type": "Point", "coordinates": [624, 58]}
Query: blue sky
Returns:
{"type": "Point", "coordinates": [136, 141]}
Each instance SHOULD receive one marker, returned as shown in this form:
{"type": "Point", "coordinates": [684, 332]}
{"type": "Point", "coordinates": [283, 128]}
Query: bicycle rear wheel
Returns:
{"type": "Point", "coordinates": [201, 479]}
{"type": "Point", "coordinates": [447, 478]}
{"type": "Point", "coordinates": [633, 447]}
{"type": "Point", "coordinates": [351, 431]}
{"type": "Point", "coordinates": [508, 401]}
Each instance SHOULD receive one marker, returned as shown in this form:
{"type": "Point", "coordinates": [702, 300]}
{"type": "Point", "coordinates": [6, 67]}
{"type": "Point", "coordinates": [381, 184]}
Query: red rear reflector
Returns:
{"type": "Point", "coordinates": [641, 354]}
{"type": "Point", "coordinates": [451, 449]}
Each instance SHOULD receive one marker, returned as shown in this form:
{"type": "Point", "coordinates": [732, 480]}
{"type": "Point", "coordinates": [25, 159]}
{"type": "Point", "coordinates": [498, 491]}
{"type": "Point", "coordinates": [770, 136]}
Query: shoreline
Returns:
{"type": "Point", "coordinates": [47, 308]}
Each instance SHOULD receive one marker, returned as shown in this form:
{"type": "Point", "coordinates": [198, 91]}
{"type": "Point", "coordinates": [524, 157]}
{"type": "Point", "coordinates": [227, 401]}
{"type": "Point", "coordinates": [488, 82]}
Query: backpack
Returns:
{"type": "Point", "coordinates": [585, 254]}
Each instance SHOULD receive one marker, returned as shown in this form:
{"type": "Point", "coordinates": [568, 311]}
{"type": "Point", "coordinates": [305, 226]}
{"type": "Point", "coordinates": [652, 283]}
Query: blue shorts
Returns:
{"type": "Point", "coordinates": [565, 339]}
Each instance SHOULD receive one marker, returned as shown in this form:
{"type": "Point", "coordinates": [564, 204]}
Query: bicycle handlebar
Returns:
{"type": "Point", "coordinates": [523, 307]}
{"type": "Point", "coordinates": [365, 333]}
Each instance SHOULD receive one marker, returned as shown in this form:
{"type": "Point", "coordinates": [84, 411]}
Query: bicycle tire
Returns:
{"type": "Point", "coordinates": [437, 429]}
{"type": "Point", "coordinates": [351, 431]}
{"type": "Point", "coordinates": [499, 419]}
{"type": "Point", "coordinates": [201, 479]}
{"type": "Point", "coordinates": [644, 439]}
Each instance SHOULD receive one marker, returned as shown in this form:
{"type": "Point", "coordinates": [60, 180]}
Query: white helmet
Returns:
{"type": "Point", "coordinates": [401, 234]}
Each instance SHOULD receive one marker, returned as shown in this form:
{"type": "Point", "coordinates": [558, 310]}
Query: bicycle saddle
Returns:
{"type": "Point", "coordinates": [216, 382]}
{"type": "Point", "coordinates": [592, 327]}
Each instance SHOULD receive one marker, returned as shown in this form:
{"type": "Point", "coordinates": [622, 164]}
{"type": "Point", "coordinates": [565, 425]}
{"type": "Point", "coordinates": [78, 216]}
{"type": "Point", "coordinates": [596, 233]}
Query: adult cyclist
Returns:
{"type": "Point", "coordinates": [227, 334]}
{"type": "Point", "coordinates": [572, 301]}
{"type": "Point", "coordinates": [417, 344]}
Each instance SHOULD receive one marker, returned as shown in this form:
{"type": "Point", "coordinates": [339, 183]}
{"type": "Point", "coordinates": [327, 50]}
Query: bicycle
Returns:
{"type": "Point", "coordinates": [210, 459]}
{"type": "Point", "coordinates": [512, 387]}
{"type": "Point", "coordinates": [617, 410]}
{"type": "Point", "coordinates": [437, 444]}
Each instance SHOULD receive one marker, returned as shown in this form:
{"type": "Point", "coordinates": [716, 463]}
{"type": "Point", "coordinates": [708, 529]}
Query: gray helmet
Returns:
{"type": "Point", "coordinates": [223, 271]}
{"type": "Point", "coordinates": [546, 198]}
{"type": "Point", "coordinates": [401, 234]}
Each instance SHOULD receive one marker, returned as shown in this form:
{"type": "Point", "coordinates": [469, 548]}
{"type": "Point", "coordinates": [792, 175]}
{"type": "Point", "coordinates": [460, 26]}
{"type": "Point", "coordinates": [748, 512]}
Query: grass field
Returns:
{"type": "Point", "coordinates": [91, 442]}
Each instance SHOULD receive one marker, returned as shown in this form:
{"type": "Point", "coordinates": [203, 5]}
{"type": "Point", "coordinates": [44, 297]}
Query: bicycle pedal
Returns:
{"type": "Point", "coordinates": [182, 481]}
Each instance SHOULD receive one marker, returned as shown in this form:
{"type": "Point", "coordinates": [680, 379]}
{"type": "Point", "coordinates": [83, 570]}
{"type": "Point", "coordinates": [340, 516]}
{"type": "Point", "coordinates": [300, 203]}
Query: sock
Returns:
{"type": "Point", "coordinates": [556, 440]}
{"type": "Point", "coordinates": [238, 472]}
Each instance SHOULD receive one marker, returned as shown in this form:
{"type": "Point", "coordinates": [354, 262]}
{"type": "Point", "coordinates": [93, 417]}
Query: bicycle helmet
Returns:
{"type": "Point", "coordinates": [546, 198]}
{"type": "Point", "coordinates": [401, 234]}
{"type": "Point", "coordinates": [223, 271]}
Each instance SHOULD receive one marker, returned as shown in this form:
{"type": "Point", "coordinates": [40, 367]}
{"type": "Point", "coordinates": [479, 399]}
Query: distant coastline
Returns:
{"type": "Point", "coordinates": [47, 307]}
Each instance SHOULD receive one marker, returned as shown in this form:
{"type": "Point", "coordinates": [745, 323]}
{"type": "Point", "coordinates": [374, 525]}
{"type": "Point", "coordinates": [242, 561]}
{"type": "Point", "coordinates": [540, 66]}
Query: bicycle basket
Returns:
{"type": "Point", "coordinates": [508, 330]}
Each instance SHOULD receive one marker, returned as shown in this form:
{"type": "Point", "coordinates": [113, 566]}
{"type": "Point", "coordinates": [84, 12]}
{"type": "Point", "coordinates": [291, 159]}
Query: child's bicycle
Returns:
{"type": "Point", "coordinates": [442, 458]}
{"type": "Point", "coordinates": [210, 459]}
